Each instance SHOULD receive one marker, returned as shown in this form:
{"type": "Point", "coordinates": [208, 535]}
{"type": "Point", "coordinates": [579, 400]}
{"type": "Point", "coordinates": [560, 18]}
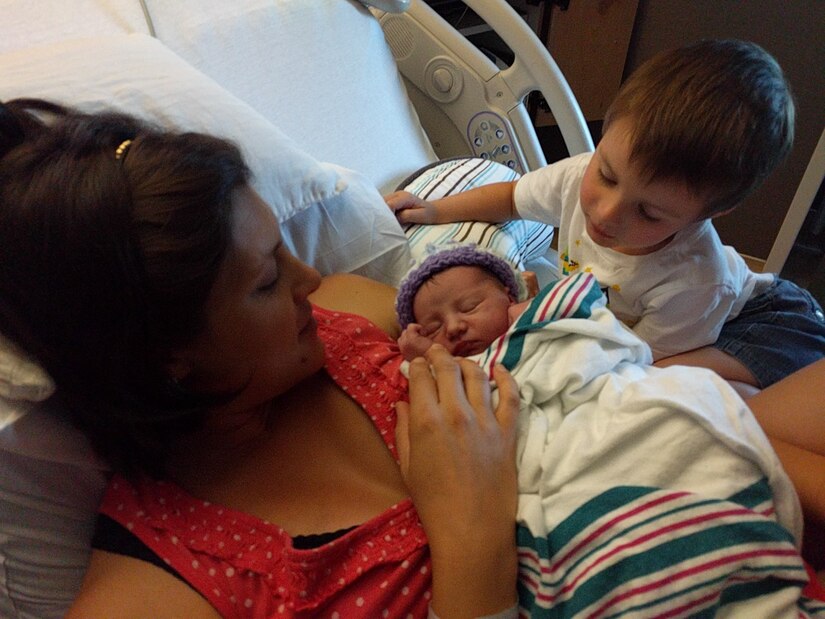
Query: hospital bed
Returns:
{"type": "Point", "coordinates": [333, 102]}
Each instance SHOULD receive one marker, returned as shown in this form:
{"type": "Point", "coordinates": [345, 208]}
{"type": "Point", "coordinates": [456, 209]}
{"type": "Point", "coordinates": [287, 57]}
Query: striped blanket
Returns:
{"type": "Point", "coordinates": [644, 492]}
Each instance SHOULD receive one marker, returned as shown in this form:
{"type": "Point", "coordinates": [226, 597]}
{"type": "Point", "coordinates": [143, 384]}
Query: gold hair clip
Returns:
{"type": "Point", "coordinates": [121, 150]}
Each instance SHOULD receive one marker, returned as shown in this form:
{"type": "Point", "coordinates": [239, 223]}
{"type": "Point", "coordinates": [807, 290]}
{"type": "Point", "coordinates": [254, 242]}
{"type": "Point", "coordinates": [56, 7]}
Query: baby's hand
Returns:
{"type": "Point", "coordinates": [412, 343]}
{"type": "Point", "coordinates": [410, 209]}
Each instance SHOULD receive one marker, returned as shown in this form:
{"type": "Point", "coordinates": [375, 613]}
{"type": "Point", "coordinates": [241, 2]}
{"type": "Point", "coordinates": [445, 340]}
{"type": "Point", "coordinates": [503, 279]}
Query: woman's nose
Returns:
{"type": "Point", "coordinates": [306, 279]}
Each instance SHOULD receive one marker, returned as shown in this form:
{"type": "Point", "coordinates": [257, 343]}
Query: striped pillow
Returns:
{"type": "Point", "coordinates": [519, 241]}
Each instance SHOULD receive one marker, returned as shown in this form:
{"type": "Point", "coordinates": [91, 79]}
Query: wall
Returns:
{"type": "Point", "coordinates": [793, 31]}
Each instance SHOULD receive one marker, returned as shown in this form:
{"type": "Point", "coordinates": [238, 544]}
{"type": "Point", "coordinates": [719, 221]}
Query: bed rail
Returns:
{"type": "Point", "coordinates": [468, 105]}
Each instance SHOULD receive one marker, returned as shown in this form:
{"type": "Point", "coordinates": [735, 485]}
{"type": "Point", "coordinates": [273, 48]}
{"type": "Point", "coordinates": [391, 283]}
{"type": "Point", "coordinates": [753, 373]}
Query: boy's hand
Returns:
{"type": "Point", "coordinates": [412, 343]}
{"type": "Point", "coordinates": [410, 209]}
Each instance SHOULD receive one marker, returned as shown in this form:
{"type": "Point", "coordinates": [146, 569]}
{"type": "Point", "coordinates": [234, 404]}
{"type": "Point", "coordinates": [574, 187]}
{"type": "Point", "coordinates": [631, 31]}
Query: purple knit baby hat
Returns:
{"type": "Point", "coordinates": [443, 256]}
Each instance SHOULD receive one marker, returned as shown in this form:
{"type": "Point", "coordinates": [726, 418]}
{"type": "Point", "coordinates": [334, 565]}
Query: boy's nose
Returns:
{"type": "Point", "coordinates": [608, 213]}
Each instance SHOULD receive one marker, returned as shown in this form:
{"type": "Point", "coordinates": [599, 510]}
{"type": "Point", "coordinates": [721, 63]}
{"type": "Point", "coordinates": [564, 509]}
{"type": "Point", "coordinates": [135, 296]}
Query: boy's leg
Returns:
{"type": "Point", "coordinates": [777, 332]}
{"type": "Point", "coordinates": [727, 366]}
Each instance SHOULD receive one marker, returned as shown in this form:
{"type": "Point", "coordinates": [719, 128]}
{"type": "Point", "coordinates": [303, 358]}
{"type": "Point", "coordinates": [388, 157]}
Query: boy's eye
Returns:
{"type": "Point", "coordinates": [430, 329]}
{"type": "Point", "coordinates": [645, 214]}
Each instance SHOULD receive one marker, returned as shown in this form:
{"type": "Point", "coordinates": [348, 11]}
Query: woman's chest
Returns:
{"type": "Point", "coordinates": [323, 465]}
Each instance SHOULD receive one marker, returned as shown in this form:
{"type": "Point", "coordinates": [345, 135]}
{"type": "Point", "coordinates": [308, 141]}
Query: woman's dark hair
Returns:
{"type": "Point", "coordinates": [106, 263]}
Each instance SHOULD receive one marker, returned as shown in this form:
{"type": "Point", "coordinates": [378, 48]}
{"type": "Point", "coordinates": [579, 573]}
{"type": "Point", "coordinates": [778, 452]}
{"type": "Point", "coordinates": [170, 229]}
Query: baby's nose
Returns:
{"type": "Point", "coordinates": [456, 326]}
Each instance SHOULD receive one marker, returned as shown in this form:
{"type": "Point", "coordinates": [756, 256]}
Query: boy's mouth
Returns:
{"type": "Point", "coordinates": [597, 233]}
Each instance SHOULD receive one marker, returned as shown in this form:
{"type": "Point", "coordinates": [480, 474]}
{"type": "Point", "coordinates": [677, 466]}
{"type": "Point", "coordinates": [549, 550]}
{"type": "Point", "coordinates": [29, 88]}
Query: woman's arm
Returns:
{"type": "Point", "coordinates": [120, 586]}
{"type": "Point", "coordinates": [792, 413]}
{"type": "Point", "coordinates": [793, 410]}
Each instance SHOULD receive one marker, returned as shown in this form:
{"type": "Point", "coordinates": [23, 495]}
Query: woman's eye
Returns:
{"type": "Point", "coordinates": [267, 287]}
{"type": "Point", "coordinates": [606, 179]}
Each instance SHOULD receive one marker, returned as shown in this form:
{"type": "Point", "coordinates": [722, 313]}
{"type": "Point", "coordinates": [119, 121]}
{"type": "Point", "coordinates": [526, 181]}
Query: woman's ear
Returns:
{"type": "Point", "coordinates": [178, 368]}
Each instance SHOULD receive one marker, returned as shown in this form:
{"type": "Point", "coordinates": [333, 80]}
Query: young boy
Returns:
{"type": "Point", "coordinates": [689, 136]}
{"type": "Point", "coordinates": [460, 296]}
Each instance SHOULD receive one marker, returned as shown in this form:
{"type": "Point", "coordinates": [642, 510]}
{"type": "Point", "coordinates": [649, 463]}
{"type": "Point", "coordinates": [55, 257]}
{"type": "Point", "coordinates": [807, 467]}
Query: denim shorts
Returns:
{"type": "Point", "coordinates": [777, 332]}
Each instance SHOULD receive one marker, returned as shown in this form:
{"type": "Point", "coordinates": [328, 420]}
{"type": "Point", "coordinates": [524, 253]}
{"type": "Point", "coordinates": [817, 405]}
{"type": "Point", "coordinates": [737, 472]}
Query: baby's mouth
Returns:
{"type": "Point", "coordinates": [467, 348]}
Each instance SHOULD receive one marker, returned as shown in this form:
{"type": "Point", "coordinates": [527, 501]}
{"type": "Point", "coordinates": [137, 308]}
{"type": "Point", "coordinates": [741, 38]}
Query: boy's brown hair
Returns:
{"type": "Point", "coordinates": [717, 115]}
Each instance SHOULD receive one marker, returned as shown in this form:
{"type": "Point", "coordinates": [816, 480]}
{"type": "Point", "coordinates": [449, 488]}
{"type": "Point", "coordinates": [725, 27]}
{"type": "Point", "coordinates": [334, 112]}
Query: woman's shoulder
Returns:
{"type": "Point", "coordinates": [355, 294]}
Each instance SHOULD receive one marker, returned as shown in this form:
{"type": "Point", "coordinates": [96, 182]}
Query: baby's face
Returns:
{"type": "Point", "coordinates": [463, 308]}
{"type": "Point", "coordinates": [623, 211]}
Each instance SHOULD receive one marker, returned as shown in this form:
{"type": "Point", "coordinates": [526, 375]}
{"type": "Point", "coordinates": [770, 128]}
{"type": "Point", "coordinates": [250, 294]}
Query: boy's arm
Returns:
{"type": "Point", "coordinates": [493, 203]}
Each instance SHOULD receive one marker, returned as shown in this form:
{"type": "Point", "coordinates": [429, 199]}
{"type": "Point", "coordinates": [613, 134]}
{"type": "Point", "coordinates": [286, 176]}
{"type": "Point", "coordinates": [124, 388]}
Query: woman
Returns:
{"type": "Point", "coordinates": [153, 285]}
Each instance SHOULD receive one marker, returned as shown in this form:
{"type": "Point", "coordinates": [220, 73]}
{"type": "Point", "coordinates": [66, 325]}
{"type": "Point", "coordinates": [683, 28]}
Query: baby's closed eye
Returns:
{"type": "Point", "coordinates": [469, 305]}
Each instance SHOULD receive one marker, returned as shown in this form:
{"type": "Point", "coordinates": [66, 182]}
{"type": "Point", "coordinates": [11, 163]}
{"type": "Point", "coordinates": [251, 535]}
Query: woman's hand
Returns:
{"type": "Point", "coordinates": [458, 460]}
{"type": "Point", "coordinates": [410, 209]}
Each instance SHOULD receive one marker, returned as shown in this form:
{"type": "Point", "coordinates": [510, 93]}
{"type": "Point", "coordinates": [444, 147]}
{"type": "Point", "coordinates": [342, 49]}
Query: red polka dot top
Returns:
{"type": "Point", "coordinates": [249, 568]}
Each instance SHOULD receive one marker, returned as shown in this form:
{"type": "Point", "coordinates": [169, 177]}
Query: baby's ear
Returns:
{"type": "Point", "coordinates": [531, 282]}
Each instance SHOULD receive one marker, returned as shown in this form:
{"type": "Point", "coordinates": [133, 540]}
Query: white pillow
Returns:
{"type": "Point", "coordinates": [306, 60]}
{"type": "Point", "coordinates": [50, 486]}
{"type": "Point", "coordinates": [344, 225]}
{"type": "Point", "coordinates": [21, 378]}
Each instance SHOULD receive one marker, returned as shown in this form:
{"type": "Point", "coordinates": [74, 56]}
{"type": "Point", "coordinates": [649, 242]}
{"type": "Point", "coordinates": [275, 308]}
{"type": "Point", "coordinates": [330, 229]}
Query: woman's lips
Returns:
{"type": "Point", "coordinates": [309, 325]}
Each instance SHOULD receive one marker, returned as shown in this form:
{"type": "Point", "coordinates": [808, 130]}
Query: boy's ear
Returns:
{"type": "Point", "coordinates": [720, 213]}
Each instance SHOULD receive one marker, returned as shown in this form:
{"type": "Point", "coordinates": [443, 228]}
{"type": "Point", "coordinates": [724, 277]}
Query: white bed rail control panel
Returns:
{"type": "Point", "coordinates": [489, 136]}
{"type": "Point", "coordinates": [467, 105]}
